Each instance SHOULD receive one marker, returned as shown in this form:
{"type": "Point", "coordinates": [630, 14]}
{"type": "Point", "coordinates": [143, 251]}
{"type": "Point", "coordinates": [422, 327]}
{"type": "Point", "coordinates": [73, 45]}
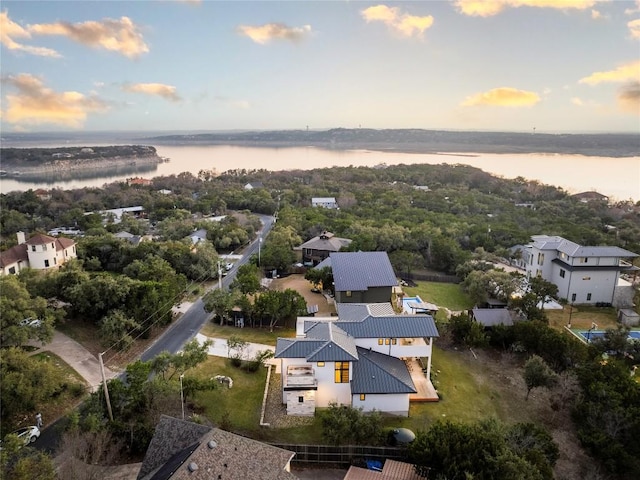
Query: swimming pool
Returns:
{"type": "Point", "coordinates": [588, 336]}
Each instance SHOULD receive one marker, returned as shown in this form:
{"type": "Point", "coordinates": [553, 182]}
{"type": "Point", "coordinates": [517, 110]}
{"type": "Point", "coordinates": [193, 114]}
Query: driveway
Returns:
{"type": "Point", "coordinates": [79, 358]}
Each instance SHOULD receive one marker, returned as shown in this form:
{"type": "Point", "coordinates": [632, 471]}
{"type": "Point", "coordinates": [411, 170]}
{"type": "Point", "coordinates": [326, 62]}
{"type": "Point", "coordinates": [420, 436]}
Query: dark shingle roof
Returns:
{"type": "Point", "coordinates": [359, 271]}
{"type": "Point", "coordinates": [13, 255]}
{"type": "Point", "coordinates": [376, 373]}
{"type": "Point", "coordinates": [326, 242]}
{"type": "Point", "coordinates": [171, 436]}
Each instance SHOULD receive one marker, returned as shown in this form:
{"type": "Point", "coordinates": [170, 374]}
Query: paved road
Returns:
{"type": "Point", "coordinates": [190, 323]}
{"type": "Point", "coordinates": [172, 340]}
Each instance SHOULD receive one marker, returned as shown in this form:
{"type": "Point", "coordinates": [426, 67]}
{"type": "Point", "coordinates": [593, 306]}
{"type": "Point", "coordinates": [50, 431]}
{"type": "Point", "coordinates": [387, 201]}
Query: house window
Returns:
{"type": "Point", "coordinates": [394, 341]}
{"type": "Point", "coordinates": [540, 258]}
{"type": "Point", "coordinates": [44, 247]}
{"type": "Point", "coordinates": [586, 278]}
{"type": "Point", "coordinates": [342, 372]}
{"type": "Point", "coordinates": [300, 399]}
{"type": "Point", "coordinates": [584, 260]}
{"type": "Point", "coordinates": [12, 270]}
{"type": "Point", "coordinates": [380, 341]}
{"type": "Point", "coordinates": [348, 293]}
{"type": "Point", "coordinates": [573, 297]}
{"type": "Point", "coordinates": [562, 273]}
{"type": "Point", "coordinates": [387, 341]}
{"type": "Point", "coordinates": [46, 263]}
{"type": "Point", "coordinates": [55, 260]}
{"type": "Point", "coordinates": [321, 364]}
{"type": "Point", "coordinates": [588, 297]}
{"type": "Point", "coordinates": [362, 397]}
{"type": "Point", "coordinates": [33, 248]}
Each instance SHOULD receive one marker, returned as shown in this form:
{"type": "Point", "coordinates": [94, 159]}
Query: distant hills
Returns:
{"type": "Point", "coordinates": [421, 141]}
{"type": "Point", "coordinates": [400, 140]}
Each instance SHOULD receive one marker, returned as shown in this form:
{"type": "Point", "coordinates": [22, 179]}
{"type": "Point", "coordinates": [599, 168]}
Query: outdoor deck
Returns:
{"type": "Point", "coordinates": [426, 391]}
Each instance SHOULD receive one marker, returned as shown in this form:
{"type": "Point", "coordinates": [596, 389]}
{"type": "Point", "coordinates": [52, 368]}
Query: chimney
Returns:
{"type": "Point", "coordinates": [21, 238]}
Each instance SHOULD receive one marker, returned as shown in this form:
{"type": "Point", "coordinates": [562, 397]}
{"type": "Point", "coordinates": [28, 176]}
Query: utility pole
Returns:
{"type": "Point", "coordinates": [259, 247]}
{"type": "Point", "coordinates": [219, 276]}
{"type": "Point", "coordinates": [104, 384]}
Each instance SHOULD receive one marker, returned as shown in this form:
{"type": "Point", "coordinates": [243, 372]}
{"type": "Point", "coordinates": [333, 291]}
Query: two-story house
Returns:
{"type": "Point", "coordinates": [40, 252]}
{"type": "Point", "coordinates": [583, 274]}
{"type": "Point", "coordinates": [362, 277]}
{"type": "Point", "coordinates": [362, 359]}
{"type": "Point", "coordinates": [319, 247]}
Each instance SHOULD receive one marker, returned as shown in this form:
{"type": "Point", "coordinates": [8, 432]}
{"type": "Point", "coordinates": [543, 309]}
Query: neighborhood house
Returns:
{"type": "Point", "coordinates": [324, 202]}
{"type": "Point", "coordinates": [319, 247]}
{"type": "Point", "coordinates": [368, 357]}
{"type": "Point", "coordinates": [40, 252]}
{"type": "Point", "coordinates": [583, 275]}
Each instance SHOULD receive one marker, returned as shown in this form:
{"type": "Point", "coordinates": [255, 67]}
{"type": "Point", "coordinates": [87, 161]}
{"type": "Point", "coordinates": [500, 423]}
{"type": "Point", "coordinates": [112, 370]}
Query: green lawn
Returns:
{"type": "Point", "coordinates": [445, 295]}
{"type": "Point", "coordinates": [254, 335]}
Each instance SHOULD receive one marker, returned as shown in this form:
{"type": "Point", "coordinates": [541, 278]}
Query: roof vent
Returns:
{"type": "Point", "coordinates": [193, 466]}
{"type": "Point", "coordinates": [212, 444]}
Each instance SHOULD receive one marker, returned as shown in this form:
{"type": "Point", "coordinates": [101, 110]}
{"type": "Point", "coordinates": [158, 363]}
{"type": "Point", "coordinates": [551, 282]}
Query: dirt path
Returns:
{"type": "Point", "coordinates": [298, 283]}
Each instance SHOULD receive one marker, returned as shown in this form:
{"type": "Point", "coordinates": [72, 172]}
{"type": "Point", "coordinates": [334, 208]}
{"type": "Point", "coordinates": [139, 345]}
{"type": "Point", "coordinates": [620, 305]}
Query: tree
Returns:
{"type": "Point", "coordinates": [537, 374]}
{"type": "Point", "coordinates": [342, 425]}
{"type": "Point", "coordinates": [543, 290]}
{"type": "Point", "coordinates": [464, 451]}
{"type": "Point", "coordinates": [19, 462]}
{"type": "Point", "coordinates": [247, 279]}
{"type": "Point", "coordinates": [219, 302]}
{"type": "Point", "coordinates": [320, 277]}
{"type": "Point", "coordinates": [18, 310]}
{"type": "Point", "coordinates": [83, 455]}
{"type": "Point", "coordinates": [116, 329]}
{"type": "Point", "coordinates": [404, 261]}
{"type": "Point", "coordinates": [276, 306]}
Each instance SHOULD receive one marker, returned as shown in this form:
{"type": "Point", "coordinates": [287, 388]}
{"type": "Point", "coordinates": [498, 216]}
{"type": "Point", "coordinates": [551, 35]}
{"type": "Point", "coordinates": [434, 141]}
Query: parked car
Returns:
{"type": "Point", "coordinates": [228, 266]}
{"type": "Point", "coordinates": [31, 322]}
{"type": "Point", "coordinates": [27, 434]}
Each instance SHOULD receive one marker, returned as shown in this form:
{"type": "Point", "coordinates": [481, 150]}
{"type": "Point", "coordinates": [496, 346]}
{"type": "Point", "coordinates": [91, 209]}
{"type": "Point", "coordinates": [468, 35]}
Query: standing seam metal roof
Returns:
{"type": "Point", "coordinates": [377, 373]}
{"type": "Point", "coordinates": [359, 271]}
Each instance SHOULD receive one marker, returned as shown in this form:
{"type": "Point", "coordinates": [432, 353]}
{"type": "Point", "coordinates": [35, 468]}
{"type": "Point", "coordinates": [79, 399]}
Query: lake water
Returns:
{"type": "Point", "coordinates": [618, 178]}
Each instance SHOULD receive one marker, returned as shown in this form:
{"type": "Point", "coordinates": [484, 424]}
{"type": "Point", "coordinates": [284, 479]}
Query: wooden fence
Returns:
{"type": "Point", "coordinates": [342, 455]}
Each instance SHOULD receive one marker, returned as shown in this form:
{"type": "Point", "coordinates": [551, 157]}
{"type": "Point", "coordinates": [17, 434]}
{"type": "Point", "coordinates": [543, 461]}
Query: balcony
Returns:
{"type": "Point", "coordinates": [300, 376]}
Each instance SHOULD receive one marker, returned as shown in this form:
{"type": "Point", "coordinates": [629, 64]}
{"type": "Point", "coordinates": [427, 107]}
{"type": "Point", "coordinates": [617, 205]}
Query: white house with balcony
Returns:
{"type": "Point", "coordinates": [40, 252]}
{"type": "Point", "coordinates": [583, 274]}
{"type": "Point", "coordinates": [363, 358]}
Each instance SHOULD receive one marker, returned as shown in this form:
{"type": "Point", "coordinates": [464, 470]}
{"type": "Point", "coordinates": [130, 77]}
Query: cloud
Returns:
{"type": "Point", "coordinates": [629, 97]}
{"type": "Point", "coordinates": [9, 30]}
{"type": "Point", "coordinates": [488, 8]}
{"type": "Point", "coordinates": [117, 35]}
{"type": "Point", "coordinates": [503, 97]}
{"type": "Point", "coordinates": [634, 28]}
{"type": "Point", "coordinates": [274, 31]}
{"type": "Point", "coordinates": [577, 101]}
{"type": "Point", "coordinates": [35, 104]}
{"type": "Point", "coordinates": [628, 71]}
{"type": "Point", "coordinates": [168, 92]}
{"type": "Point", "coordinates": [595, 14]}
{"type": "Point", "coordinates": [403, 23]}
{"type": "Point", "coordinates": [636, 9]}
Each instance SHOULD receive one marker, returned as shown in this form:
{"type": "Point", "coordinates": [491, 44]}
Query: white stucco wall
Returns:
{"type": "Point", "coordinates": [328, 391]}
{"type": "Point", "coordinates": [37, 259]}
{"type": "Point", "coordinates": [397, 404]}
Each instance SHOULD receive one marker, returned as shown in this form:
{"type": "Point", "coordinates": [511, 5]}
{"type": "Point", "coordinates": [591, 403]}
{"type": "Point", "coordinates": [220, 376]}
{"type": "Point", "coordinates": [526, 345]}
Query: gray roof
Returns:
{"type": "Point", "coordinates": [327, 242]}
{"type": "Point", "coordinates": [572, 249]}
{"type": "Point", "coordinates": [392, 326]}
{"type": "Point", "coordinates": [490, 317]}
{"type": "Point", "coordinates": [356, 312]}
{"type": "Point", "coordinates": [176, 444]}
{"type": "Point", "coordinates": [325, 342]}
{"type": "Point", "coordinates": [359, 271]}
{"type": "Point", "coordinates": [324, 263]}
{"type": "Point", "coordinates": [171, 436]}
{"type": "Point", "coordinates": [377, 373]}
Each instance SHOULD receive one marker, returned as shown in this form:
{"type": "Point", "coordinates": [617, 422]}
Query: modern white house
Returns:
{"type": "Point", "coordinates": [364, 358]}
{"type": "Point", "coordinates": [40, 252]}
{"type": "Point", "coordinates": [324, 202]}
{"type": "Point", "coordinates": [583, 274]}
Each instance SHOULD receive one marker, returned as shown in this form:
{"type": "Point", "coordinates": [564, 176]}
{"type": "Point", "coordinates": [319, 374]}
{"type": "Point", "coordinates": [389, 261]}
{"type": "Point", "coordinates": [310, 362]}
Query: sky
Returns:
{"type": "Point", "coordinates": [506, 65]}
